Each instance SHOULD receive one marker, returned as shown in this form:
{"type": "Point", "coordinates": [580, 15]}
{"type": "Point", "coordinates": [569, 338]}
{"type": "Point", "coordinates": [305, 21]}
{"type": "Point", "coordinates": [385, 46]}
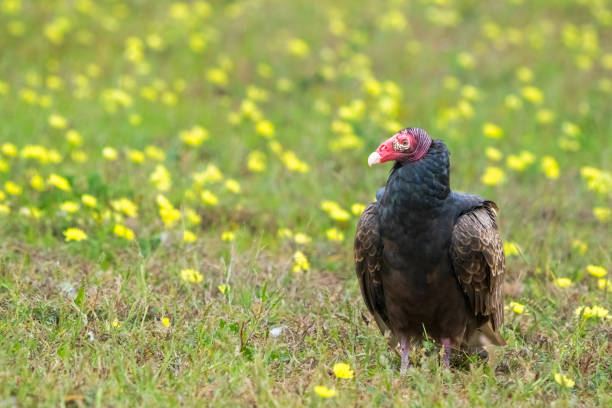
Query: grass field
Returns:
{"type": "Point", "coordinates": [181, 183]}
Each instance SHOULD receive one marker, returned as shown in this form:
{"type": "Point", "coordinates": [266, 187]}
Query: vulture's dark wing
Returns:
{"type": "Point", "coordinates": [478, 259]}
{"type": "Point", "coordinates": [368, 263]}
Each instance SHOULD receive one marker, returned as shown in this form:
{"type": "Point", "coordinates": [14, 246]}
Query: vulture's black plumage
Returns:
{"type": "Point", "coordinates": [429, 260]}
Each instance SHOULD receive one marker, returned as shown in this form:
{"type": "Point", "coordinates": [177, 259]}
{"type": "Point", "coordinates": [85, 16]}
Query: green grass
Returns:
{"type": "Point", "coordinates": [58, 300]}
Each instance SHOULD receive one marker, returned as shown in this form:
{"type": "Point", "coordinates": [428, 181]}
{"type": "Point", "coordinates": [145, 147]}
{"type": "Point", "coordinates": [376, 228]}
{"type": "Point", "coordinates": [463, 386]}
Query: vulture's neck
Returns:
{"type": "Point", "coordinates": [419, 190]}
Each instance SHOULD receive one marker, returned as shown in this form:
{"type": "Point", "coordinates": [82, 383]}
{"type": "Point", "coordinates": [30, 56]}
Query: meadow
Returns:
{"type": "Point", "coordinates": [180, 184]}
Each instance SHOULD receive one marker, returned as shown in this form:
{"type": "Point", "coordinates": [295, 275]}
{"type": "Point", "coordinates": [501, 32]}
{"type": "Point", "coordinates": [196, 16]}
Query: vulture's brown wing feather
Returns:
{"type": "Point", "coordinates": [368, 264]}
{"type": "Point", "coordinates": [478, 259]}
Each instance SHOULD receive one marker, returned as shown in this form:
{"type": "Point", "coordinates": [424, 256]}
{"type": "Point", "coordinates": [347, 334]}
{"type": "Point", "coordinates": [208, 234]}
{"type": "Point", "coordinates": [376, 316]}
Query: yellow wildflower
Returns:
{"type": "Point", "coordinates": [257, 94]}
{"type": "Point", "coordinates": [191, 275]}
{"type": "Point", "coordinates": [284, 233]}
{"type": "Point", "coordinates": [346, 142]}
{"type": "Point", "coordinates": [298, 47]}
{"type": "Point", "coordinates": [357, 208]}
{"type": "Point", "coordinates": [333, 234]}
{"type": "Point", "coordinates": [510, 248]}
{"type": "Point", "coordinates": [393, 20]}
{"type": "Point", "coordinates": [595, 311]}
{"type": "Point", "coordinates": [189, 236]}
{"type": "Point", "coordinates": [513, 102]}
{"type": "Point", "coordinates": [136, 156]}
{"type": "Point", "coordinates": [301, 263]}
{"type": "Point", "coordinates": [58, 121]}
{"type": "Point", "coordinates": [493, 154]}
{"type": "Point", "coordinates": [74, 234]}
{"type": "Point", "coordinates": [515, 162]}
{"type": "Point", "coordinates": [604, 284]}
{"type": "Point", "coordinates": [228, 236]}
{"type": "Point", "coordinates": [110, 153]}
{"type": "Point", "coordinates": [209, 198]}
{"type": "Point", "coordinates": [78, 156]}
{"type": "Point", "coordinates": [533, 94]}
{"type": "Point", "coordinates": [301, 238]}
{"type": "Point", "coordinates": [339, 214]}
{"type": "Point", "coordinates": [197, 42]}
{"type": "Point", "coordinates": [570, 129]}
{"type": "Point", "coordinates": [517, 308]}
{"type": "Point", "coordinates": [194, 136]}
{"type": "Point", "coordinates": [563, 380]}
{"type": "Point", "coordinates": [341, 127]}
{"type": "Point", "coordinates": [343, 370]}
{"type": "Point", "coordinates": [165, 322]}
{"type": "Point", "coordinates": [470, 92]}
{"type": "Point", "coordinates": [9, 149]}
{"type": "Point", "coordinates": [292, 162]}
{"type": "Point", "coordinates": [356, 109]}
{"type": "Point", "coordinates": [224, 288]}
{"type": "Point", "coordinates": [524, 74]}
{"type": "Point", "coordinates": [74, 137]}
{"type": "Point", "coordinates": [4, 209]}
{"type": "Point", "coordinates": [70, 207]}
{"type": "Point", "coordinates": [169, 215]}
{"type": "Point", "coordinates": [466, 60]}
{"type": "Point", "coordinates": [123, 232]}
{"type": "Point", "coordinates": [492, 131]}
{"type": "Point", "coordinates": [212, 174]}
{"type": "Point", "coordinates": [550, 167]}
{"type": "Point", "coordinates": [265, 128]}
{"type": "Point", "coordinates": [89, 200]}
{"type": "Point", "coordinates": [155, 153]}
{"type": "Point", "coordinates": [116, 324]}
{"type": "Point", "coordinates": [12, 188]}
{"type": "Point", "coordinates": [603, 214]}
{"type": "Point", "coordinates": [30, 212]}
{"type": "Point", "coordinates": [233, 186]}
{"type": "Point", "coordinates": [493, 176]}
{"type": "Point", "coordinates": [597, 271]}
{"type": "Point", "coordinates": [256, 161]}
{"type": "Point", "coordinates": [545, 116]}
{"type": "Point", "coordinates": [161, 178]}
{"type": "Point", "coordinates": [563, 282]}
{"type": "Point", "coordinates": [334, 210]}
{"type": "Point", "coordinates": [192, 216]}
{"type": "Point", "coordinates": [324, 392]}
{"type": "Point", "coordinates": [37, 182]}
{"type": "Point", "coordinates": [276, 147]}
{"type": "Point", "coordinates": [53, 156]}
{"type": "Point", "coordinates": [597, 180]}
{"type": "Point", "coordinates": [35, 152]}
{"type": "Point", "coordinates": [125, 206]}
{"type": "Point", "coordinates": [163, 202]}
{"type": "Point", "coordinates": [217, 76]}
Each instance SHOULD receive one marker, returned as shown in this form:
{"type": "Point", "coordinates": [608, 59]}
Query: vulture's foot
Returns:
{"type": "Point", "coordinates": [405, 354]}
{"type": "Point", "coordinates": [446, 352]}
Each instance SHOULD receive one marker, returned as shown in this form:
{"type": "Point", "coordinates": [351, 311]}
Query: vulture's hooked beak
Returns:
{"type": "Point", "coordinates": [373, 159]}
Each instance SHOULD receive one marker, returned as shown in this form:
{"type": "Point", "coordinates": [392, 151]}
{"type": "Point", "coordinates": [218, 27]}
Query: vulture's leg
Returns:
{"type": "Point", "coordinates": [405, 351]}
{"type": "Point", "coordinates": [446, 347]}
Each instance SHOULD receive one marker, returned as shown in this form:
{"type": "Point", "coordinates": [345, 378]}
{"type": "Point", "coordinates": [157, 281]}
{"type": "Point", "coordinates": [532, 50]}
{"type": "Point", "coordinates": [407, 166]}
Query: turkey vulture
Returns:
{"type": "Point", "coordinates": [430, 261]}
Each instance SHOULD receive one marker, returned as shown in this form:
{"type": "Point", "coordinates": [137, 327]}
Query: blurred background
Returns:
{"type": "Point", "coordinates": [221, 146]}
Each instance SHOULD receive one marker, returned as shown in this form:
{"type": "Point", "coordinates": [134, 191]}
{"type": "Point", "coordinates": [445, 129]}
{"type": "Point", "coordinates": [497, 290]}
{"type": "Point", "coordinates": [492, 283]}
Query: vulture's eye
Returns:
{"type": "Point", "coordinates": [401, 146]}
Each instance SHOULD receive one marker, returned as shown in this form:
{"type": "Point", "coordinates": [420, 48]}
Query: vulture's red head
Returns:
{"type": "Point", "coordinates": [407, 145]}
